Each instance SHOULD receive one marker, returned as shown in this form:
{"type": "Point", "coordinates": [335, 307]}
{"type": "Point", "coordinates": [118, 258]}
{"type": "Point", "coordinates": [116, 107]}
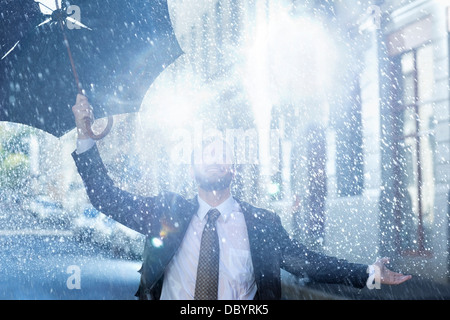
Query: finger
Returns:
{"type": "Point", "coordinates": [81, 98]}
{"type": "Point", "coordinates": [384, 260]}
{"type": "Point", "coordinates": [400, 279]}
{"type": "Point", "coordinates": [82, 113]}
{"type": "Point", "coordinates": [394, 278]}
{"type": "Point", "coordinates": [82, 106]}
{"type": "Point", "coordinates": [405, 278]}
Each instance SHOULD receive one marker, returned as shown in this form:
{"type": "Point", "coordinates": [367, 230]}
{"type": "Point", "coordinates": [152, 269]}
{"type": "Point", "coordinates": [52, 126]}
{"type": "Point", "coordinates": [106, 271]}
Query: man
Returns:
{"type": "Point", "coordinates": [244, 246]}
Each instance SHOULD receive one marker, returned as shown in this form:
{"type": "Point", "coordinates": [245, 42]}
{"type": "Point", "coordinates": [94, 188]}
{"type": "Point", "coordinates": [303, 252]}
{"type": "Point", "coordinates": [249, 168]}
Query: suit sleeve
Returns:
{"type": "Point", "coordinates": [318, 267]}
{"type": "Point", "coordinates": [136, 212]}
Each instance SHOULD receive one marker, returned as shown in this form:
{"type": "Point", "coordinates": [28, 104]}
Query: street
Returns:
{"type": "Point", "coordinates": [41, 262]}
{"type": "Point", "coordinates": [39, 268]}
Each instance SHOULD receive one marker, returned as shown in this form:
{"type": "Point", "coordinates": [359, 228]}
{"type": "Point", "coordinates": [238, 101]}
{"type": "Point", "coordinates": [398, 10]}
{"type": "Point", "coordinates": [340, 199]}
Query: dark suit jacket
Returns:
{"type": "Point", "coordinates": [167, 217]}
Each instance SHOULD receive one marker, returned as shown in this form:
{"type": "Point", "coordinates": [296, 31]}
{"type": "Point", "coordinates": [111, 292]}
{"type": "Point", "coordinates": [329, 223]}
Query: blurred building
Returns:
{"type": "Point", "coordinates": [388, 154]}
{"type": "Point", "coordinates": [358, 96]}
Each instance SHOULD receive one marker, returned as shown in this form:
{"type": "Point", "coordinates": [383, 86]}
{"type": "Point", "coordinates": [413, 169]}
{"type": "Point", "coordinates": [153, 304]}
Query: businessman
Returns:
{"type": "Point", "coordinates": [213, 246]}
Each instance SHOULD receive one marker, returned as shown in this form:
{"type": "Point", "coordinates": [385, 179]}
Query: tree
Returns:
{"type": "Point", "coordinates": [14, 160]}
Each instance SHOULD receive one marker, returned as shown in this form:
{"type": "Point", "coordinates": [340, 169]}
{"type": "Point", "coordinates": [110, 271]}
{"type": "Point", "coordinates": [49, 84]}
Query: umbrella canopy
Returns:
{"type": "Point", "coordinates": [118, 49]}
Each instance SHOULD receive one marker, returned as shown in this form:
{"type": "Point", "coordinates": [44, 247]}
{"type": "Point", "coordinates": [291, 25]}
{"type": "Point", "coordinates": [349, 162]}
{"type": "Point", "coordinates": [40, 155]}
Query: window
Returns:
{"type": "Point", "coordinates": [415, 188]}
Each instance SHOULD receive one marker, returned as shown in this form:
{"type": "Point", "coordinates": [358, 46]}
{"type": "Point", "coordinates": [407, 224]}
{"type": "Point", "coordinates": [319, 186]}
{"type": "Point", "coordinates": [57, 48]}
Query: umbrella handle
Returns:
{"type": "Point", "coordinates": [91, 133]}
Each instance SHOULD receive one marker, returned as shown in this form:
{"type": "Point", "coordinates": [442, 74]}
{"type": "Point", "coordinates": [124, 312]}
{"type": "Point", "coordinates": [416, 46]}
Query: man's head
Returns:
{"type": "Point", "coordinates": [213, 164]}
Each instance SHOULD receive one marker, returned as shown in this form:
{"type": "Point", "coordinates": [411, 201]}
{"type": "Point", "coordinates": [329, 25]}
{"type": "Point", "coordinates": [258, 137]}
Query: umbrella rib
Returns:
{"type": "Point", "coordinates": [40, 24]}
{"type": "Point", "coordinates": [9, 51]}
{"type": "Point", "coordinates": [44, 22]}
{"type": "Point", "coordinates": [78, 23]}
{"type": "Point", "coordinates": [15, 45]}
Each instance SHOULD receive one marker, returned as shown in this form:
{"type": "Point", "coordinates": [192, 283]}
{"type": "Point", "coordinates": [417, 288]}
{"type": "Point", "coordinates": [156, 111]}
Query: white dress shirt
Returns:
{"type": "Point", "coordinates": [84, 145]}
{"type": "Point", "coordinates": [236, 278]}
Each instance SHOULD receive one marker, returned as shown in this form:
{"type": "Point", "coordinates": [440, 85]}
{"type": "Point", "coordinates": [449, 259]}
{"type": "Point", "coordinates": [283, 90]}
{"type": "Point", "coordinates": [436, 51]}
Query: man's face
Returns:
{"type": "Point", "coordinates": [212, 167]}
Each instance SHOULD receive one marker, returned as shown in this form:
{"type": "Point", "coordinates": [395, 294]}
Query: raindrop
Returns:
{"type": "Point", "coordinates": [157, 242]}
{"type": "Point", "coordinates": [12, 100]}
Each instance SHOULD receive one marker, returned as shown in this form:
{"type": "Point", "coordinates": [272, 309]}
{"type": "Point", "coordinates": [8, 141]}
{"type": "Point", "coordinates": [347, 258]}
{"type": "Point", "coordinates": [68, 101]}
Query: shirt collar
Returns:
{"type": "Point", "coordinates": [225, 208]}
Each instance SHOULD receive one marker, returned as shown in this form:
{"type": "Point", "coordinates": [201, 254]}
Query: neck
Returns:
{"type": "Point", "coordinates": [214, 198]}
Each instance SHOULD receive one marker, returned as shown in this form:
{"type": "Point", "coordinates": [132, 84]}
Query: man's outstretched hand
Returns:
{"type": "Point", "coordinates": [387, 276]}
